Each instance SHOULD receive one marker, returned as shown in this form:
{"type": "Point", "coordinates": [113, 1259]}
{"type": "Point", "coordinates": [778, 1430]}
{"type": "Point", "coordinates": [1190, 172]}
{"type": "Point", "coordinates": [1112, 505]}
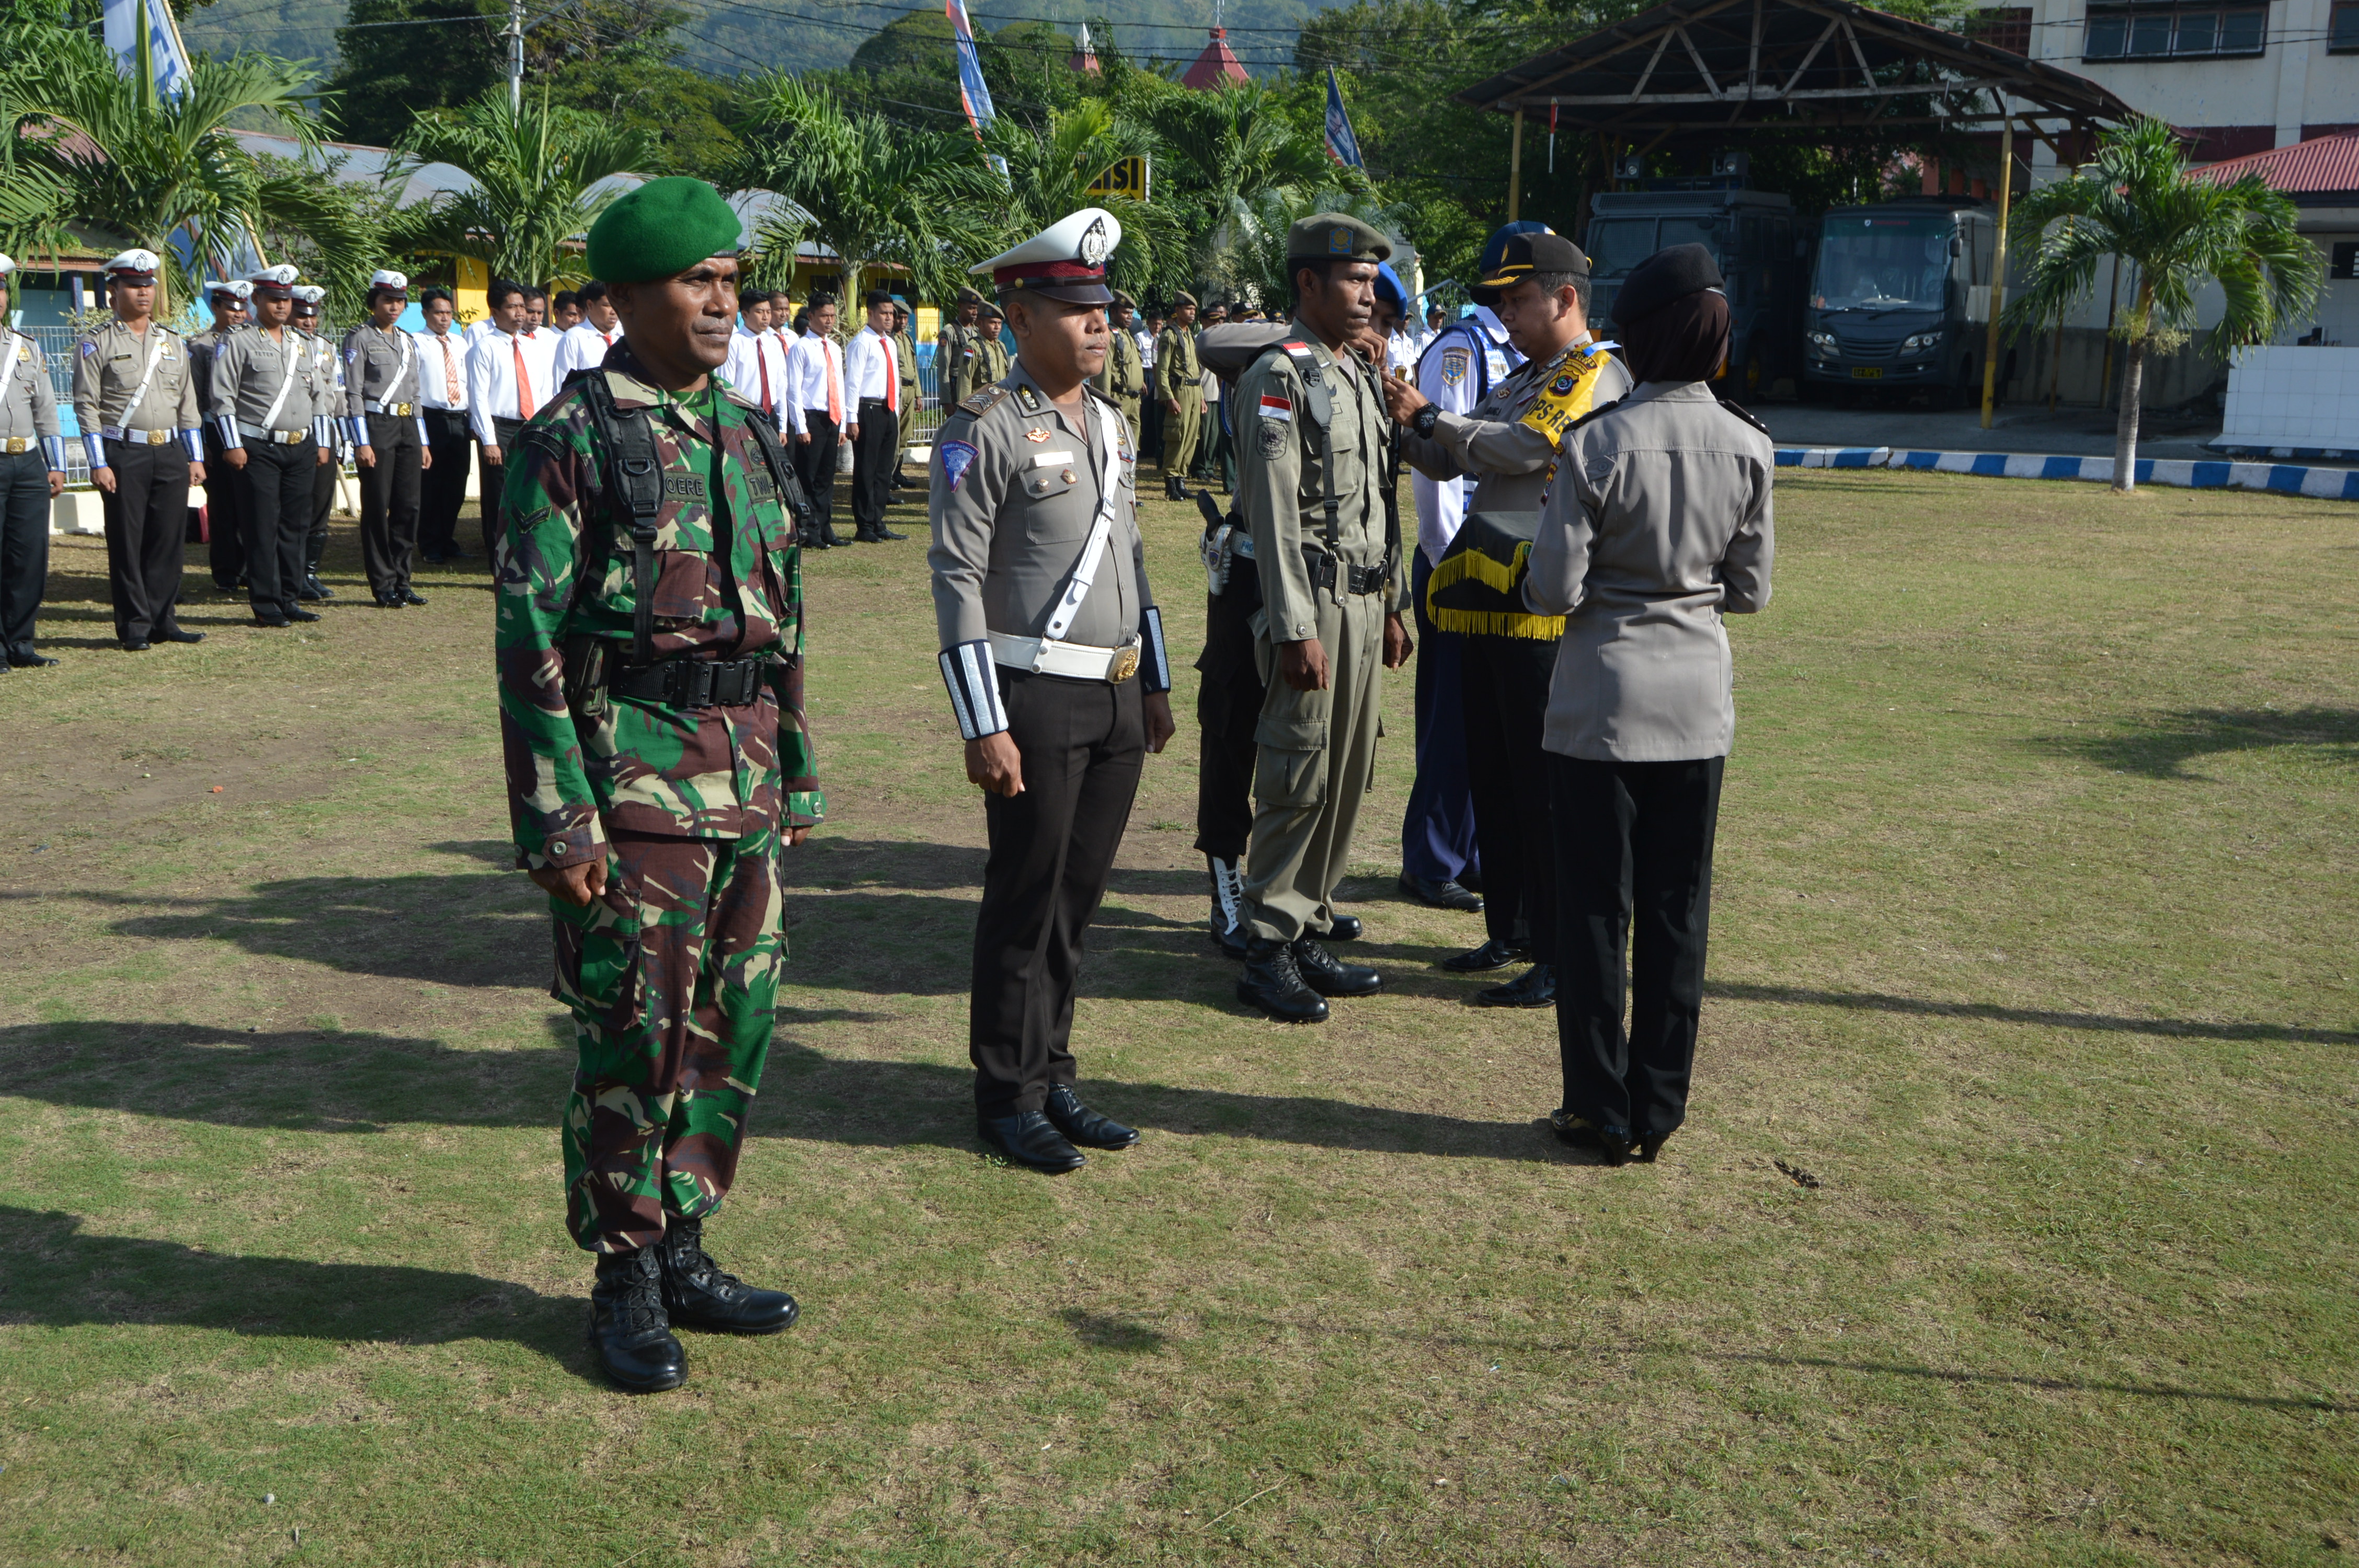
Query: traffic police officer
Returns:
{"type": "Point", "coordinates": [328, 371]}
{"type": "Point", "coordinates": [224, 532]}
{"type": "Point", "coordinates": [1179, 393]}
{"type": "Point", "coordinates": [32, 475]}
{"type": "Point", "coordinates": [1312, 450]}
{"type": "Point", "coordinates": [1508, 443]}
{"type": "Point", "coordinates": [271, 414]}
{"type": "Point", "coordinates": [136, 402]}
{"type": "Point", "coordinates": [389, 433]}
{"type": "Point", "coordinates": [1125, 377]}
{"type": "Point", "coordinates": [655, 763]}
{"type": "Point", "coordinates": [956, 343]}
{"type": "Point", "coordinates": [1053, 652]}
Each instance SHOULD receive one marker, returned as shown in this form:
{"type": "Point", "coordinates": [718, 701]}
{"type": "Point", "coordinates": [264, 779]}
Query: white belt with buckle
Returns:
{"type": "Point", "coordinates": [13, 445]}
{"type": "Point", "coordinates": [1075, 660]}
{"type": "Point", "coordinates": [275, 437]}
{"type": "Point", "coordinates": [138, 438]}
{"type": "Point", "coordinates": [398, 410]}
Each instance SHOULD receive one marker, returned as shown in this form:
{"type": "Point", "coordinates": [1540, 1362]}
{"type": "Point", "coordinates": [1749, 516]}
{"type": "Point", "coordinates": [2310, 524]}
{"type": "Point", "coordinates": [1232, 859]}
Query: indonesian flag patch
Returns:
{"type": "Point", "coordinates": [1276, 408]}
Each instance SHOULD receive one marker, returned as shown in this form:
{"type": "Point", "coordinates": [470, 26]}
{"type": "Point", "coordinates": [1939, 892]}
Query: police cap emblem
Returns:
{"type": "Point", "coordinates": [1094, 247]}
{"type": "Point", "coordinates": [1338, 240]}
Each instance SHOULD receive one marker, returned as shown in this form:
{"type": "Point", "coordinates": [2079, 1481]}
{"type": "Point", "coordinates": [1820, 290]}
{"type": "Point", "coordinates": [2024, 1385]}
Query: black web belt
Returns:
{"type": "Point", "coordinates": [695, 682]}
{"type": "Point", "coordinates": [1356, 580]}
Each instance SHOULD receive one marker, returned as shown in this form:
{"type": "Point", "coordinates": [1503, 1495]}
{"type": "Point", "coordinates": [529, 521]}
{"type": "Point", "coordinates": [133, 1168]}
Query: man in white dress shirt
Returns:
{"type": "Point", "coordinates": [510, 375]}
{"type": "Point", "coordinates": [450, 441]}
{"type": "Point", "coordinates": [872, 377]}
{"type": "Point", "coordinates": [584, 344]}
{"type": "Point", "coordinates": [816, 416]}
{"type": "Point", "coordinates": [757, 365]}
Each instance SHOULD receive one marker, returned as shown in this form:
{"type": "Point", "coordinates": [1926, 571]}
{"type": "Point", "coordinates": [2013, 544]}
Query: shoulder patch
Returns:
{"type": "Point", "coordinates": [980, 403]}
{"type": "Point", "coordinates": [1455, 363]}
{"type": "Point", "coordinates": [957, 457]}
{"type": "Point", "coordinates": [1744, 414]}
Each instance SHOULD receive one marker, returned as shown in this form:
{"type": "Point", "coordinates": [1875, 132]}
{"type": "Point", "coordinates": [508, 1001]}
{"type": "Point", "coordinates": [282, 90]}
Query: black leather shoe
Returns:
{"type": "Point", "coordinates": [279, 622]}
{"type": "Point", "coordinates": [1029, 1137]}
{"type": "Point", "coordinates": [1535, 987]}
{"type": "Point", "coordinates": [411, 596]}
{"type": "Point", "coordinates": [135, 645]}
{"type": "Point", "coordinates": [628, 1329]}
{"type": "Point", "coordinates": [862, 536]}
{"type": "Point", "coordinates": [302, 615]}
{"type": "Point", "coordinates": [1492, 954]}
{"type": "Point", "coordinates": [1347, 928]}
{"type": "Point", "coordinates": [1650, 1146]}
{"type": "Point", "coordinates": [883, 533]}
{"type": "Point", "coordinates": [42, 661]}
{"type": "Point", "coordinates": [1273, 982]}
{"type": "Point", "coordinates": [1330, 976]}
{"type": "Point", "coordinates": [314, 590]}
{"type": "Point", "coordinates": [174, 635]}
{"type": "Point", "coordinates": [1577, 1131]}
{"type": "Point", "coordinates": [697, 1294]}
{"type": "Point", "coordinates": [388, 601]}
{"type": "Point", "coordinates": [1083, 1126]}
{"type": "Point", "coordinates": [1441, 896]}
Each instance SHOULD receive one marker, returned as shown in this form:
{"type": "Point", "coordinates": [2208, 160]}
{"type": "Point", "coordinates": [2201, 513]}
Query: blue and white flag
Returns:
{"type": "Point", "coordinates": [168, 57]}
{"type": "Point", "coordinates": [972, 91]}
{"type": "Point", "coordinates": [1341, 145]}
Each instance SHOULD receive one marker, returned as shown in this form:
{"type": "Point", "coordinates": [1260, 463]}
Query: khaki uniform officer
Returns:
{"type": "Point", "coordinates": [959, 339]}
{"type": "Point", "coordinates": [136, 402]}
{"type": "Point", "coordinates": [1052, 650]}
{"type": "Point", "coordinates": [388, 432]}
{"type": "Point", "coordinates": [1312, 447]}
{"type": "Point", "coordinates": [1125, 377]}
{"type": "Point", "coordinates": [1179, 393]}
{"type": "Point", "coordinates": [32, 475]}
{"type": "Point", "coordinates": [224, 534]}
{"type": "Point", "coordinates": [271, 414]}
{"type": "Point", "coordinates": [991, 360]}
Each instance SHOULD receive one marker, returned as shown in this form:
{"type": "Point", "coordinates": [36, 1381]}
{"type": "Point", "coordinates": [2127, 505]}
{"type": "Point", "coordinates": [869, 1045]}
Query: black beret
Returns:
{"type": "Point", "coordinates": [1671, 274]}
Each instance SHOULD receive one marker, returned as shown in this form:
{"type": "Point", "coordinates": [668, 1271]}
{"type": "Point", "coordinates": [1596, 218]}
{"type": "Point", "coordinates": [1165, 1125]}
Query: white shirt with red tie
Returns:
{"type": "Point", "coordinates": [509, 378]}
{"type": "Point", "coordinates": [756, 366]}
{"type": "Point", "coordinates": [442, 369]}
{"type": "Point", "coordinates": [869, 372]}
{"type": "Point", "coordinates": [815, 384]}
{"type": "Point", "coordinates": [584, 347]}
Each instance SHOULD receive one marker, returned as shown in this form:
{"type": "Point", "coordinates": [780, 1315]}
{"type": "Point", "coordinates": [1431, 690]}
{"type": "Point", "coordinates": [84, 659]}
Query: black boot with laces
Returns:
{"type": "Point", "coordinates": [1273, 982]}
{"type": "Point", "coordinates": [699, 1295]}
{"type": "Point", "coordinates": [628, 1329]}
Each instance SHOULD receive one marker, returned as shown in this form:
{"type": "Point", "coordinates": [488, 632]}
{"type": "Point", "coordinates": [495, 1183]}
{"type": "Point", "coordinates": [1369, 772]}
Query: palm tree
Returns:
{"type": "Point", "coordinates": [82, 145]}
{"type": "Point", "coordinates": [2177, 230]}
{"type": "Point", "coordinates": [535, 171]}
{"type": "Point", "coordinates": [1049, 176]}
{"type": "Point", "coordinates": [871, 191]}
{"type": "Point", "coordinates": [1248, 249]}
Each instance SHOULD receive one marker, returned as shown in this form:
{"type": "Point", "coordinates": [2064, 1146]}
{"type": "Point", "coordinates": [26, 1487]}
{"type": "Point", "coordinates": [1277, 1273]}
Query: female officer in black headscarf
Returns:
{"type": "Point", "coordinates": [1656, 525]}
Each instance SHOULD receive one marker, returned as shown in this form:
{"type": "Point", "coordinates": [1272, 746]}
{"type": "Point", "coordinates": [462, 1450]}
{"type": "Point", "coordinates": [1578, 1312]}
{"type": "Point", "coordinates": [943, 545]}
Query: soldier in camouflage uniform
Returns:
{"type": "Point", "coordinates": [651, 711]}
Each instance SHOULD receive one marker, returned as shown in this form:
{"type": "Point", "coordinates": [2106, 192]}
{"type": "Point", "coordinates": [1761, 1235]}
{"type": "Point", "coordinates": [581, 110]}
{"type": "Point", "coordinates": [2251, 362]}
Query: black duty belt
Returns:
{"type": "Point", "coordinates": [1356, 580]}
{"type": "Point", "coordinates": [695, 682]}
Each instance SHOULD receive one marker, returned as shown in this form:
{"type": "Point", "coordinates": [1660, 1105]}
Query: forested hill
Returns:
{"type": "Point", "coordinates": [724, 39]}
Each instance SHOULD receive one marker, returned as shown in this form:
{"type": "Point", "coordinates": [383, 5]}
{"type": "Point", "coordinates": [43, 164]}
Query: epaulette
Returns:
{"type": "Point", "coordinates": [1600, 408]}
{"type": "Point", "coordinates": [978, 404]}
{"type": "Point", "coordinates": [1744, 414]}
{"type": "Point", "coordinates": [1026, 399]}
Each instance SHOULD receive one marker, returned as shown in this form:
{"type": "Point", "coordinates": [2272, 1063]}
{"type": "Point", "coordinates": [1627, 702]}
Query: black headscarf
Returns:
{"type": "Point", "coordinates": [1686, 339]}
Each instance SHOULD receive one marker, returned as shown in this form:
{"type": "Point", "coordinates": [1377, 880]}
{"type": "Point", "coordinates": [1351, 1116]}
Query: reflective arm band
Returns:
{"type": "Point", "coordinates": [96, 446]}
{"type": "Point", "coordinates": [323, 431]}
{"type": "Point", "coordinates": [1154, 664]}
{"type": "Point", "coordinates": [230, 437]}
{"type": "Point", "coordinates": [195, 441]}
{"type": "Point", "coordinates": [53, 448]}
{"type": "Point", "coordinates": [423, 438]}
{"type": "Point", "coordinates": [357, 429]}
{"type": "Point", "coordinates": [973, 682]}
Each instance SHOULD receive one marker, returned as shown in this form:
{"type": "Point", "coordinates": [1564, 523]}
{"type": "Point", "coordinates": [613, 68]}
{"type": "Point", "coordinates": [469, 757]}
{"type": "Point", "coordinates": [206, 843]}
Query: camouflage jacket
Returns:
{"type": "Point", "coordinates": [622, 763]}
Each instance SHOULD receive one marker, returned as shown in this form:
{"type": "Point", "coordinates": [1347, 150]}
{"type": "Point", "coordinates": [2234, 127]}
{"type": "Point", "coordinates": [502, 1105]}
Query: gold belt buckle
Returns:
{"type": "Point", "coordinates": [19, 444]}
{"type": "Point", "coordinates": [1126, 663]}
{"type": "Point", "coordinates": [156, 438]}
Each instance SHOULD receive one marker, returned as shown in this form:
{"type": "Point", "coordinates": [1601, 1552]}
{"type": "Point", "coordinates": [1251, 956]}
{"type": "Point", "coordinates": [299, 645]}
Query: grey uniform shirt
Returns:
{"type": "Point", "coordinates": [28, 405]}
{"type": "Point", "coordinates": [249, 368]}
{"type": "Point", "coordinates": [108, 365]}
{"type": "Point", "coordinates": [1016, 490]}
{"type": "Point", "coordinates": [1510, 457]}
{"type": "Point", "coordinates": [202, 347]}
{"type": "Point", "coordinates": [329, 409]}
{"type": "Point", "coordinates": [1658, 523]}
{"type": "Point", "coordinates": [1282, 492]}
{"type": "Point", "coordinates": [380, 372]}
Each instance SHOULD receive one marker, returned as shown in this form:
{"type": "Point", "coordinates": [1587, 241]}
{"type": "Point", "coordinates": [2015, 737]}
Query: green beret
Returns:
{"type": "Point", "coordinates": [1338, 235]}
{"type": "Point", "coordinates": [663, 227]}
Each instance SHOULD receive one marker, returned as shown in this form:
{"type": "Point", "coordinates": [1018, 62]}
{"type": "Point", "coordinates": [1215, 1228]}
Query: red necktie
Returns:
{"type": "Point", "coordinates": [834, 382]}
{"type": "Point", "coordinates": [762, 358]}
{"type": "Point", "coordinates": [524, 381]}
{"type": "Point", "coordinates": [892, 377]}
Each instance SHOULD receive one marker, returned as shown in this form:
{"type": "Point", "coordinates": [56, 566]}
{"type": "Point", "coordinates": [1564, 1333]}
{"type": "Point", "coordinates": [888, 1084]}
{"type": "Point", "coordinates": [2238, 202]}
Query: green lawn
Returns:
{"type": "Point", "coordinates": [2014, 1223]}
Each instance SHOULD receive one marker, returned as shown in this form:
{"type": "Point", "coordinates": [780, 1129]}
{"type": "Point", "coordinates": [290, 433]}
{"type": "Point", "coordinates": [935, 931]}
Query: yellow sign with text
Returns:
{"type": "Point", "coordinates": [1125, 176]}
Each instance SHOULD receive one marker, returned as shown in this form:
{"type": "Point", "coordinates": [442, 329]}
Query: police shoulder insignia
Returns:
{"type": "Point", "coordinates": [980, 403]}
{"type": "Point", "coordinates": [89, 347]}
{"type": "Point", "coordinates": [957, 457]}
{"type": "Point", "coordinates": [1563, 385]}
{"type": "Point", "coordinates": [1027, 398]}
{"type": "Point", "coordinates": [1455, 363]}
{"type": "Point", "coordinates": [1273, 437]}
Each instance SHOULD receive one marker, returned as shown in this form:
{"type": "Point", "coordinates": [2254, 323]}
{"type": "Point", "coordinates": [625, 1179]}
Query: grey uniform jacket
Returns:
{"type": "Point", "coordinates": [202, 347]}
{"type": "Point", "coordinates": [1510, 459]}
{"type": "Point", "coordinates": [1282, 492]}
{"type": "Point", "coordinates": [108, 364]}
{"type": "Point", "coordinates": [1011, 514]}
{"type": "Point", "coordinates": [1657, 524]}
{"type": "Point", "coordinates": [380, 377]}
{"type": "Point", "coordinates": [249, 367]}
{"type": "Point", "coordinates": [330, 409]}
{"type": "Point", "coordinates": [28, 405]}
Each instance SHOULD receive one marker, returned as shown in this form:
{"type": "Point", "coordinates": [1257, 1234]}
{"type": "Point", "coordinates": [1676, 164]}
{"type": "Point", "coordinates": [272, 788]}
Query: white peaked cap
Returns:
{"type": "Point", "coordinates": [133, 261]}
{"type": "Point", "coordinates": [386, 277]}
{"type": "Point", "coordinates": [7, 264]}
{"type": "Point", "coordinates": [283, 276]}
{"type": "Point", "coordinates": [235, 288]}
{"type": "Point", "coordinates": [310, 293]}
{"type": "Point", "coordinates": [1064, 261]}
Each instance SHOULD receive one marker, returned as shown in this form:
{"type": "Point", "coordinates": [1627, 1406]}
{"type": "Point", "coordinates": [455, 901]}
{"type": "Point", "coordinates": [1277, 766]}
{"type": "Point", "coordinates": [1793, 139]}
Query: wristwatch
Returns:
{"type": "Point", "coordinates": [1425, 419]}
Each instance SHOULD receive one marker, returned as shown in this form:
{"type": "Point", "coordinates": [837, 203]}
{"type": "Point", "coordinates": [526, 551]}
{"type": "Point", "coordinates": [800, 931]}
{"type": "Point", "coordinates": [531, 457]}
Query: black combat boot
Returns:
{"type": "Point", "coordinates": [1330, 976]}
{"type": "Point", "coordinates": [697, 1294]}
{"type": "Point", "coordinates": [1273, 983]}
{"type": "Point", "coordinates": [1228, 921]}
{"type": "Point", "coordinates": [627, 1325]}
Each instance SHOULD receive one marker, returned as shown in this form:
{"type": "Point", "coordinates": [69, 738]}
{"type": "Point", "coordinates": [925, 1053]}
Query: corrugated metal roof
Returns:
{"type": "Point", "coordinates": [2317, 165]}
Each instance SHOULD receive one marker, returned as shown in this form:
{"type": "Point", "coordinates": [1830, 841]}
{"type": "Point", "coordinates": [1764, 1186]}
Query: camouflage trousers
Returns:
{"type": "Point", "coordinates": [673, 974]}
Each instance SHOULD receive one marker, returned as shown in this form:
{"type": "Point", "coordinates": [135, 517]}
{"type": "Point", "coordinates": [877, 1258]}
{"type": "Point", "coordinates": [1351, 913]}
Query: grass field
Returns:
{"type": "Point", "coordinates": [2014, 1223]}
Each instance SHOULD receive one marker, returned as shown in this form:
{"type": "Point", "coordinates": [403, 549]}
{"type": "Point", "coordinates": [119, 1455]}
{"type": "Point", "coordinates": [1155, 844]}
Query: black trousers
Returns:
{"type": "Point", "coordinates": [323, 503]}
{"type": "Point", "coordinates": [1503, 689]}
{"type": "Point", "coordinates": [1228, 708]}
{"type": "Point", "coordinates": [495, 480]}
{"type": "Point", "coordinates": [1632, 838]}
{"type": "Point", "coordinates": [872, 466]}
{"type": "Point", "coordinates": [275, 495]}
{"type": "Point", "coordinates": [1052, 848]}
{"type": "Point", "coordinates": [1151, 423]}
{"type": "Point", "coordinates": [815, 466]}
{"type": "Point", "coordinates": [146, 530]}
{"type": "Point", "coordinates": [24, 548]}
{"type": "Point", "coordinates": [389, 503]}
{"type": "Point", "coordinates": [225, 514]}
{"type": "Point", "coordinates": [443, 487]}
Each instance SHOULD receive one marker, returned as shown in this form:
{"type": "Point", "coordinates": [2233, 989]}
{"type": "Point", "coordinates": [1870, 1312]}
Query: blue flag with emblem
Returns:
{"type": "Point", "coordinates": [144, 39]}
{"type": "Point", "coordinates": [1341, 145]}
{"type": "Point", "coordinates": [973, 93]}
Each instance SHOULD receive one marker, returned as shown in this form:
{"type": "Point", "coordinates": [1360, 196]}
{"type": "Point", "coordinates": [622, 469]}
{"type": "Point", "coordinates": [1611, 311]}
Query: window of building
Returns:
{"type": "Point", "coordinates": [2009, 28]}
{"type": "Point", "coordinates": [2343, 28]}
{"type": "Point", "coordinates": [2343, 261]}
{"type": "Point", "coordinates": [2180, 32]}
